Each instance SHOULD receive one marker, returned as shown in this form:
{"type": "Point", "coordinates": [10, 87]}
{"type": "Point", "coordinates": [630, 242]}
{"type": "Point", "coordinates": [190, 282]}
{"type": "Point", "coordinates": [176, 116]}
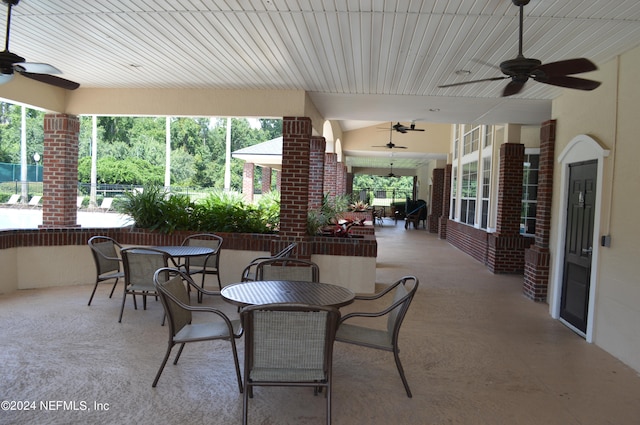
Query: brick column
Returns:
{"type": "Point", "coordinates": [279, 180]}
{"type": "Point", "coordinates": [316, 172]}
{"type": "Point", "coordinates": [537, 257]}
{"type": "Point", "coordinates": [266, 179]}
{"type": "Point", "coordinates": [341, 179]}
{"type": "Point", "coordinates": [506, 245]}
{"type": "Point", "coordinates": [60, 171]}
{"type": "Point", "coordinates": [437, 190]}
{"type": "Point", "coordinates": [330, 164]}
{"type": "Point", "coordinates": [247, 181]}
{"type": "Point", "coordinates": [349, 182]}
{"type": "Point", "coordinates": [294, 193]}
{"type": "Point", "coordinates": [446, 202]}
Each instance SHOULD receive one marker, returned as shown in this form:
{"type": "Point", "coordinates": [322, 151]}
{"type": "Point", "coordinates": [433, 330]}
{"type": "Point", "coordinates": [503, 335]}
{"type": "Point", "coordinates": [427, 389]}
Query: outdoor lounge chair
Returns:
{"type": "Point", "coordinates": [386, 339]}
{"type": "Point", "coordinates": [105, 205]}
{"type": "Point", "coordinates": [13, 200]}
{"type": "Point", "coordinates": [288, 345]}
{"type": "Point", "coordinates": [175, 300]}
{"type": "Point", "coordinates": [34, 202]}
{"type": "Point", "coordinates": [105, 255]}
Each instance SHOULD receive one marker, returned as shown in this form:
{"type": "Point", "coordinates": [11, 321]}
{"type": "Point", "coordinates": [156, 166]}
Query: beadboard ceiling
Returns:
{"type": "Point", "coordinates": [362, 61]}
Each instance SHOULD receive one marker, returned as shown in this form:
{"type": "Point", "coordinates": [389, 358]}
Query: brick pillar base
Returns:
{"type": "Point", "coordinates": [536, 273]}
{"type": "Point", "coordinates": [60, 171]}
{"type": "Point", "coordinates": [506, 253]}
{"type": "Point", "coordinates": [446, 202]}
{"type": "Point", "coordinates": [316, 172]}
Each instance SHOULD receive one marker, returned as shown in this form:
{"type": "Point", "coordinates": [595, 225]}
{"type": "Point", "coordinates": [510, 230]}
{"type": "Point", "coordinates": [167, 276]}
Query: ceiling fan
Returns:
{"type": "Point", "coordinates": [390, 145]}
{"type": "Point", "coordinates": [520, 69]}
{"type": "Point", "coordinates": [403, 128]}
{"type": "Point", "coordinates": [11, 63]}
{"type": "Point", "coordinates": [391, 172]}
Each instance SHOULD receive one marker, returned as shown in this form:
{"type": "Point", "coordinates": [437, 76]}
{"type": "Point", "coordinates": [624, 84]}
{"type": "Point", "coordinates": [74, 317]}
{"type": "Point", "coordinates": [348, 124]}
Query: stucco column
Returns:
{"type": "Point", "coordinates": [537, 257]}
{"type": "Point", "coordinates": [60, 171]}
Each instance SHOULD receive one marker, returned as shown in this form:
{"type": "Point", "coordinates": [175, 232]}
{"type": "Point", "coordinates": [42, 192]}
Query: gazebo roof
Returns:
{"type": "Point", "coordinates": [265, 154]}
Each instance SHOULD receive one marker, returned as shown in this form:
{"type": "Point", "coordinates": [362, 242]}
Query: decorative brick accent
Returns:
{"type": "Point", "coordinates": [330, 174]}
{"type": "Point", "coordinates": [247, 181]}
{"type": "Point", "coordinates": [446, 202]}
{"type": "Point", "coordinates": [506, 245]}
{"type": "Point", "coordinates": [341, 178]}
{"type": "Point", "coordinates": [437, 189]}
{"type": "Point", "coordinates": [266, 179]}
{"type": "Point", "coordinates": [536, 271]}
{"type": "Point", "coordinates": [316, 172]}
{"type": "Point", "coordinates": [60, 171]}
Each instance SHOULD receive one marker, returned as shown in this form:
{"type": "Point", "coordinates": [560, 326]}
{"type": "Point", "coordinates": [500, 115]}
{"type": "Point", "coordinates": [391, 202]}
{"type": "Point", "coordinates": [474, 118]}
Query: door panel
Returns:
{"type": "Point", "coordinates": [574, 306]}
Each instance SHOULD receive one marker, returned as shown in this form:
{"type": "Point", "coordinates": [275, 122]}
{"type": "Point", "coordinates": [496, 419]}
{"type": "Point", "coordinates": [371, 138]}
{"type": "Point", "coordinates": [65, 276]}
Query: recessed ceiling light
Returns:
{"type": "Point", "coordinates": [463, 72]}
{"type": "Point", "coordinates": [434, 110]}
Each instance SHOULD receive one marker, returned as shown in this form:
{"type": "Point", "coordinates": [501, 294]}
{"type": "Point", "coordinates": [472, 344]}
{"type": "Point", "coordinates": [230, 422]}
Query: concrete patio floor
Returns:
{"type": "Point", "coordinates": [474, 349]}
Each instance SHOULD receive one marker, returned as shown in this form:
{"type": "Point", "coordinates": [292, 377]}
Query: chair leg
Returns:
{"type": "Point", "coordinates": [113, 288]}
{"type": "Point", "coordinates": [175, 361]}
{"type": "Point", "coordinates": [396, 355]}
{"type": "Point", "coordinates": [94, 291]}
{"type": "Point", "coordinates": [219, 282]}
{"type": "Point", "coordinates": [164, 362]}
{"type": "Point", "coordinates": [124, 298]}
{"type": "Point", "coordinates": [235, 360]}
{"type": "Point", "coordinates": [328, 396]}
{"type": "Point", "coordinates": [245, 403]}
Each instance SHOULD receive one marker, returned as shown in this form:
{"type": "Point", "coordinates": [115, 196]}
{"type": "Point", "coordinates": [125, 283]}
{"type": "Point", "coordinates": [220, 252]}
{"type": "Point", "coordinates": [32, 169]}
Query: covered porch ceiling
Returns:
{"type": "Point", "coordinates": [362, 64]}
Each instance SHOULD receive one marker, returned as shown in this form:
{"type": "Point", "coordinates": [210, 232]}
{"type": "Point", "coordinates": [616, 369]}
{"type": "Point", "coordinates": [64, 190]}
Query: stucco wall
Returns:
{"type": "Point", "coordinates": [608, 115]}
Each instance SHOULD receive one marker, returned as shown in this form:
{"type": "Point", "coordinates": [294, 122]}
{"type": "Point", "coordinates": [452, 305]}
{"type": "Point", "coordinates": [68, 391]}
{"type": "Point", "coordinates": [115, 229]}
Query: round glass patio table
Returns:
{"type": "Point", "coordinates": [287, 291]}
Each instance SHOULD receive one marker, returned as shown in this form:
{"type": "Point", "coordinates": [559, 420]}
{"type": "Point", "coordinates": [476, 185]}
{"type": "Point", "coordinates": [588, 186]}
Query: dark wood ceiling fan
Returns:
{"type": "Point", "coordinates": [10, 63]}
{"type": "Point", "coordinates": [521, 69]}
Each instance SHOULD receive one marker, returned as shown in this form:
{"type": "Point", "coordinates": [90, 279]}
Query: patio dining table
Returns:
{"type": "Point", "coordinates": [183, 251]}
{"type": "Point", "coordinates": [286, 291]}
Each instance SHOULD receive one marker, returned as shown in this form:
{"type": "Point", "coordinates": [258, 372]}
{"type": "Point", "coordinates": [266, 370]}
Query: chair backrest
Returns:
{"type": "Point", "coordinates": [288, 269]}
{"type": "Point", "coordinates": [106, 204]}
{"type": "Point", "coordinates": [105, 254]}
{"type": "Point", "coordinates": [402, 296]}
{"type": "Point", "coordinates": [208, 240]}
{"type": "Point", "coordinates": [289, 342]}
{"type": "Point", "coordinates": [13, 200]}
{"type": "Point", "coordinates": [140, 265]}
{"type": "Point", "coordinates": [35, 200]}
{"type": "Point", "coordinates": [171, 289]}
{"type": "Point", "coordinates": [286, 252]}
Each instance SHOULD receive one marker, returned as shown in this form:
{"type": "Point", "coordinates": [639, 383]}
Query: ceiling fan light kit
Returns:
{"type": "Point", "coordinates": [10, 63]}
{"type": "Point", "coordinates": [390, 145]}
{"type": "Point", "coordinates": [521, 69]}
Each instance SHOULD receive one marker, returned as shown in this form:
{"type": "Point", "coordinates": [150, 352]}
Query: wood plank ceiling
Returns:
{"type": "Point", "coordinates": [362, 61]}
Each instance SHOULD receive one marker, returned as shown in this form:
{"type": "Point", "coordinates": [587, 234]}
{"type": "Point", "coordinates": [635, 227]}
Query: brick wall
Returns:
{"type": "Point", "coordinates": [60, 170]}
{"type": "Point", "coordinates": [468, 239]}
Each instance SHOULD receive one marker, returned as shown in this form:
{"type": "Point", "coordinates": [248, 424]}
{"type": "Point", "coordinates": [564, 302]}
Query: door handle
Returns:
{"type": "Point", "coordinates": [587, 250]}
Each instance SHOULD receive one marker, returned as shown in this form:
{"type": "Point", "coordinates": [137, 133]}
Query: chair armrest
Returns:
{"type": "Point", "coordinates": [204, 309]}
{"type": "Point", "coordinates": [378, 294]}
{"type": "Point", "coordinates": [374, 313]}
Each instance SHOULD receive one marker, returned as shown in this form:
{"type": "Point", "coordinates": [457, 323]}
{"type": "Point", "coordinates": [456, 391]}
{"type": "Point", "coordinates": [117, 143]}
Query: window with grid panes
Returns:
{"type": "Point", "coordinates": [486, 191]}
{"type": "Point", "coordinates": [471, 141]}
{"type": "Point", "coordinates": [468, 192]}
{"type": "Point", "coordinates": [529, 193]}
{"type": "Point", "coordinates": [454, 192]}
{"type": "Point", "coordinates": [488, 136]}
